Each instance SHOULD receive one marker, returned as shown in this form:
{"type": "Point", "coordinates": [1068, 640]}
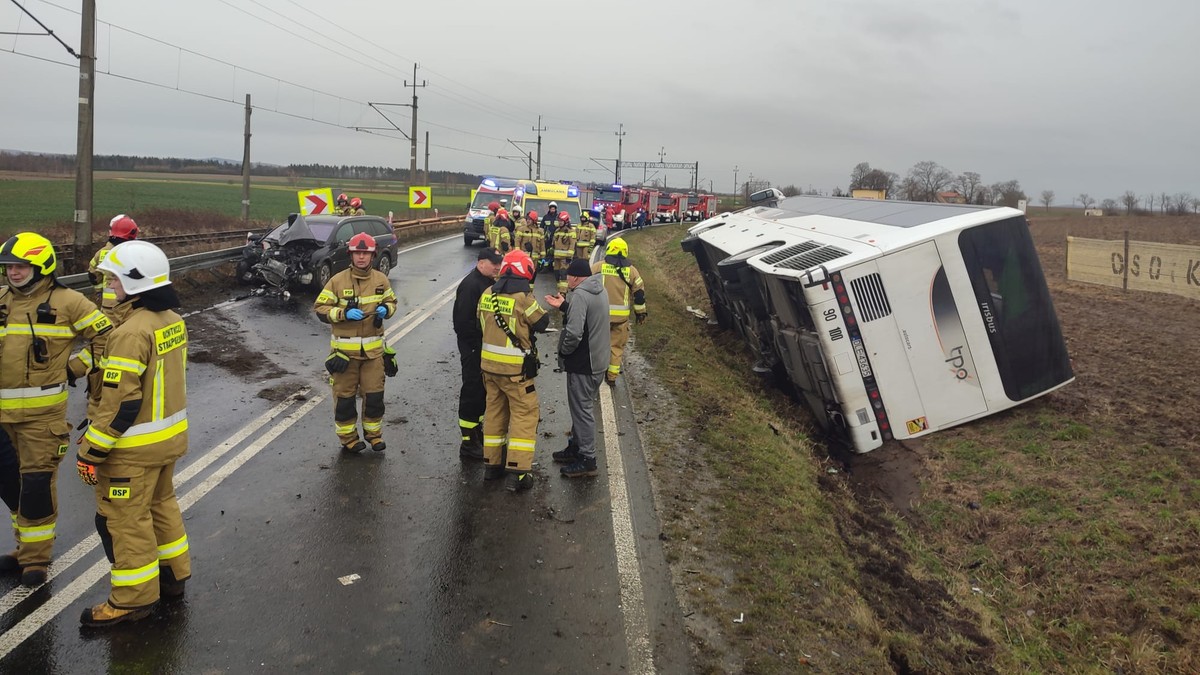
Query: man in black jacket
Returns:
{"type": "Point", "coordinates": [471, 396]}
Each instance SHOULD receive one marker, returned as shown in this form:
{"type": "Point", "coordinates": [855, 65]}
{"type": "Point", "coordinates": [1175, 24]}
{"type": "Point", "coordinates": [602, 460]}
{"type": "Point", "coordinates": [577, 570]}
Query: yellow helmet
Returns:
{"type": "Point", "coordinates": [31, 249]}
{"type": "Point", "coordinates": [617, 246]}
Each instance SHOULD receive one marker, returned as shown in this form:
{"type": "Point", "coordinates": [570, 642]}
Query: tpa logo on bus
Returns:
{"type": "Point", "coordinates": [958, 363]}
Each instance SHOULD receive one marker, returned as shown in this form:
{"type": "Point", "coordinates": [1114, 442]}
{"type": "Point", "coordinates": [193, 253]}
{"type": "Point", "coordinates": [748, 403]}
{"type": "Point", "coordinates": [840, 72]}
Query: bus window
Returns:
{"type": "Point", "coordinates": [1015, 305]}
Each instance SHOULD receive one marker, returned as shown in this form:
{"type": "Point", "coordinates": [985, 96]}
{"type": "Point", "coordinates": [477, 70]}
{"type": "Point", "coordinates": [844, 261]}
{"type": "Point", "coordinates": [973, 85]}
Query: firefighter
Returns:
{"type": "Point", "coordinates": [355, 302]}
{"type": "Point", "coordinates": [623, 284]}
{"type": "Point", "coordinates": [564, 249]}
{"type": "Point", "coordinates": [41, 319]}
{"type": "Point", "coordinates": [138, 430]}
{"type": "Point", "coordinates": [493, 207]}
{"type": "Point", "coordinates": [550, 222]}
{"type": "Point", "coordinates": [471, 396]}
{"type": "Point", "coordinates": [528, 237]}
{"type": "Point", "coordinates": [500, 233]}
{"type": "Point", "coordinates": [585, 239]}
{"type": "Point", "coordinates": [509, 316]}
{"type": "Point", "coordinates": [342, 205]}
{"type": "Point", "coordinates": [121, 228]}
{"type": "Point", "coordinates": [356, 207]}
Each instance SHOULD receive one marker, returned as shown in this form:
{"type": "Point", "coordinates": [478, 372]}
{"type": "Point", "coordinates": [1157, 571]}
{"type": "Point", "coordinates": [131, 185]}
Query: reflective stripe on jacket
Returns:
{"type": "Point", "coordinates": [520, 311]}
{"type": "Point", "coordinates": [366, 290]}
{"type": "Point", "coordinates": [621, 291]}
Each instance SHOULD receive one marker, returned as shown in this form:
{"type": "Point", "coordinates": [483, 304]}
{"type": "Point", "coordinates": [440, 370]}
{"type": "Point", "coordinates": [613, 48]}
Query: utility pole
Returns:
{"type": "Point", "coordinates": [425, 179]}
{"type": "Point", "coordinates": [246, 168]}
{"type": "Point", "coordinates": [620, 139]}
{"type": "Point", "coordinates": [539, 129]}
{"type": "Point", "coordinates": [735, 172]}
{"type": "Point", "coordinates": [412, 162]}
{"type": "Point", "coordinates": [83, 148]}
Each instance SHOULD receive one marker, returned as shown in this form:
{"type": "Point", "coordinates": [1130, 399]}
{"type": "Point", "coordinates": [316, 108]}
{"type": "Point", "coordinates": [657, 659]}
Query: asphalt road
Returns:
{"type": "Point", "coordinates": [402, 561]}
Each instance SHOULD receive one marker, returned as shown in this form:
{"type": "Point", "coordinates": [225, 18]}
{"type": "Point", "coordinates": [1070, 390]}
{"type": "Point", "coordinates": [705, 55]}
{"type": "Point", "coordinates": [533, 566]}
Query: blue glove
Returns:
{"type": "Point", "coordinates": [355, 314]}
{"type": "Point", "coordinates": [381, 311]}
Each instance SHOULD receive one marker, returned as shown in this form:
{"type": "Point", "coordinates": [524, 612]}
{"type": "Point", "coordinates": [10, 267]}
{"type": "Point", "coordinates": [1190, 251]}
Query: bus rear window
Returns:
{"type": "Point", "coordinates": [1012, 298]}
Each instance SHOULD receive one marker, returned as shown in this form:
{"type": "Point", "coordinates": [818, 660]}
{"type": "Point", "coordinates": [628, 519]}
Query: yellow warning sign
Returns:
{"type": "Point", "coordinates": [917, 426]}
{"type": "Point", "coordinates": [420, 197]}
{"type": "Point", "coordinates": [316, 202]}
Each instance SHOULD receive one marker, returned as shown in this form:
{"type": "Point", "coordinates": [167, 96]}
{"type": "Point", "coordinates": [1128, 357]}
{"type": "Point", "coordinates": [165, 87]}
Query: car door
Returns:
{"type": "Point", "coordinates": [339, 247]}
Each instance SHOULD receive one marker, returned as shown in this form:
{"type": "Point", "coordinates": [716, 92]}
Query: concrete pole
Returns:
{"type": "Point", "coordinates": [246, 168]}
{"type": "Point", "coordinates": [83, 148]}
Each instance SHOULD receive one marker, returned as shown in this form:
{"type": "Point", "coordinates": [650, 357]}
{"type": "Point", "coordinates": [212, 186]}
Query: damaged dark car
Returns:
{"type": "Point", "coordinates": [306, 251]}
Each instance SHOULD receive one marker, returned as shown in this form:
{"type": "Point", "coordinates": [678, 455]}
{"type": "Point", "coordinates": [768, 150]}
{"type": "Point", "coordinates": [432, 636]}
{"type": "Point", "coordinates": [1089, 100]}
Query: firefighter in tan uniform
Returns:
{"type": "Point", "coordinates": [355, 302]}
{"type": "Point", "coordinates": [528, 237]}
{"type": "Point", "coordinates": [341, 206]}
{"type": "Point", "coordinates": [623, 284]}
{"type": "Point", "coordinates": [509, 316]}
{"type": "Point", "coordinates": [585, 237]}
{"type": "Point", "coordinates": [564, 249]}
{"type": "Point", "coordinates": [121, 228]}
{"type": "Point", "coordinates": [39, 320]}
{"type": "Point", "coordinates": [138, 430]}
{"type": "Point", "coordinates": [356, 207]}
{"type": "Point", "coordinates": [498, 234]}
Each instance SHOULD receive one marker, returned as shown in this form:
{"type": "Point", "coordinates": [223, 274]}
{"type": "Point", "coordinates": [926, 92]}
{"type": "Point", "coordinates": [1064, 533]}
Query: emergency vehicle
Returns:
{"type": "Point", "coordinates": [699, 207]}
{"type": "Point", "coordinates": [531, 195]}
{"type": "Point", "coordinates": [499, 190]}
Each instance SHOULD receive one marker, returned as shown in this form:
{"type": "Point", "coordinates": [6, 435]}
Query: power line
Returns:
{"type": "Point", "coordinates": [45, 28]}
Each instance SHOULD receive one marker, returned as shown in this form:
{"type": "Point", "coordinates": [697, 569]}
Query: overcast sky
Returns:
{"type": "Point", "coordinates": [1096, 96]}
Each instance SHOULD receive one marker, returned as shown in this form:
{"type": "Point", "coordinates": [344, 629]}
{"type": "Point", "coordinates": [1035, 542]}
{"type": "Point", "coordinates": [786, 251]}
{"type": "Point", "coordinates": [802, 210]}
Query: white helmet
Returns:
{"type": "Point", "coordinates": [139, 265]}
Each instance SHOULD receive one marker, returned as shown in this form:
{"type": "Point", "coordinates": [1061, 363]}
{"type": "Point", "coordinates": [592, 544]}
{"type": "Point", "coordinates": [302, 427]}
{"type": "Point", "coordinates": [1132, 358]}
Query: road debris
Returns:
{"type": "Point", "coordinates": [349, 579]}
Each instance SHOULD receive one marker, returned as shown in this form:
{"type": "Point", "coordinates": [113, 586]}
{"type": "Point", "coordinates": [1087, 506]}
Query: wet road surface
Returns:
{"type": "Point", "coordinates": [305, 559]}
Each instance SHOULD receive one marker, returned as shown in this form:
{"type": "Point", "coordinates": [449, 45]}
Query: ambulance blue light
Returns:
{"type": "Point", "coordinates": [531, 189]}
{"type": "Point", "coordinates": [616, 186]}
{"type": "Point", "coordinates": [488, 182]}
{"type": "Point", "coordinates": [572, 191]}
{"type": "Point", "coordinates": [518, 193]}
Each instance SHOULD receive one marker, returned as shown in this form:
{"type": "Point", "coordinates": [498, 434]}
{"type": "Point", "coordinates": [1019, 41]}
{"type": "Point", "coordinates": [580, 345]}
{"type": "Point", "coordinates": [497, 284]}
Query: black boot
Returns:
{"type": "Point", "coordinates": [472, 447]}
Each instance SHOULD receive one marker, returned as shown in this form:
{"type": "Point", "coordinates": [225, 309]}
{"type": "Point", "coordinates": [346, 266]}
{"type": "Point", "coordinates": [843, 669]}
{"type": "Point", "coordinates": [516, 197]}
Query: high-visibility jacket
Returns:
{"type": "Point", "coordinates": [585, 237]}
{"type": "Point", "coordinates": [499, 237]}
{"type": "Point", "coordinates": [529, 238]}
{"type": "Point", "coordinates": [523, 315]}
{"type": "Point", "coordinates": [33, 383]}
{"type": "Point", "coordinates": [564, 242]}
{"type": "Point", "coordinates": [357, 212]}
{"type": "Point", "coordinates": [365, 289]}
{"type": "Point", "coordinates": [141, 418]}
{"type": "Point", "coordinates": [623, 284]}
{"type": "Point", "coordinates": [100, 285]}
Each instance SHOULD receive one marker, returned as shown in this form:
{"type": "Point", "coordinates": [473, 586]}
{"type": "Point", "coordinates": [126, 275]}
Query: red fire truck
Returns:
{"type": "Point", "coordinates": [669, 207]}
{"type": "Point", "coordinates": [632, 199]}
{"type": "Point", "coordinates": [698, 207]}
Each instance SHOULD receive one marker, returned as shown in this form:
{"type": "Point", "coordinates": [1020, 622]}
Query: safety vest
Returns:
{"type": "Point", "coordinates": [145, 361]}
{"type": "Point", "coordinates": [519, 311]}
{"type": "Point", "coordinates": [101, 286]}
{"type": "Point", "coordinates": [620, 291]}
{"type": "Point", "coordinates": [585, 236]}
{"type": "Point", "coordinates": [37, 346]}
{"type": "Point", "coordinates": [529, 238]}
{"type": "Point", "coordinates": [564, 242]}
{"type": "Point", "coordinates": [365, 290]}
{"type": "Point", "coordinates": [499, 237]}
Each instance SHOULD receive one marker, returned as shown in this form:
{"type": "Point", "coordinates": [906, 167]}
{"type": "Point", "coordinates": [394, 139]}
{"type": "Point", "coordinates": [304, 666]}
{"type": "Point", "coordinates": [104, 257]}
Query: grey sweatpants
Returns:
{"type": "Point", "coordinates": [581, 395]}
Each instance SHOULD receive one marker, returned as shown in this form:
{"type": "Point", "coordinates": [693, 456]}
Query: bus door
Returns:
{"type": "Point", "coordinates": [912, 284]}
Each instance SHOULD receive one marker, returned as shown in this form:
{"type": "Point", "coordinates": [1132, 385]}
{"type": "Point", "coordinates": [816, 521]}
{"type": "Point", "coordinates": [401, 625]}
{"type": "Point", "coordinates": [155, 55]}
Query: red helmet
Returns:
{"type": "Point", "coordinates": [356, 203]}
{"type": "Point", "coordinates": [564, 217]}
{"type": "Point", "coordinates": [502, 213]}
{"type": "Point", "coordinates": [517, 263]}
{"type": "Point", "coordinates": [362, 242]}
{"type": "Point", "coordinates": [533, 215]}
{"type": "Point", "coordinates": [492, 206]}
{"type": "Point", "coordinates": [341, 199]}
{"type": "Point", "coordinates": [122, 227]}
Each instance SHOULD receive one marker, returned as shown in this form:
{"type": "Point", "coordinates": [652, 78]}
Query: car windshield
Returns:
{"type": "Point", "coordinates": [606, 195]}
{"type": "Point", "coordinates": [320, 231]}
{"type": "Point", "coordinates": [482, 199]}
{"type": "Point", "coordinates": [541, 206]}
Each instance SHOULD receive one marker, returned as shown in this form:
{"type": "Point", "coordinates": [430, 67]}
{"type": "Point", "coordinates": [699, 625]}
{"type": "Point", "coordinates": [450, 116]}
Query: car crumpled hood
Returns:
{"type": "Point", "coordinates": [297, 230]}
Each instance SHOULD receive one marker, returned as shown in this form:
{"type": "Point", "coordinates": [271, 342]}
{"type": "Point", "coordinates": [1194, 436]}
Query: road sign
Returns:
{"type": "Point", "coordinates": [316, 202]}
{"type": "Point", "coordinates": [420, 197]}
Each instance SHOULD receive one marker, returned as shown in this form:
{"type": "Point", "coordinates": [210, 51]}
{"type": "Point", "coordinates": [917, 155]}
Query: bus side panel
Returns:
{"type": "Point", "coordinates": [931, 341]}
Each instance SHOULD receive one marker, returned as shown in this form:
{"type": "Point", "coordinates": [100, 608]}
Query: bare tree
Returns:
{"type": "Point", "coordinates": [1164, 203]}
{"type": "Point", "coordinates": [1008, 193]}
{"type": "Point", "coordinates": [1047, 198]}
{"type": "Point", "coordinates": [1130, 200]}
{"type": "Point", "coordinates": [930, 179]}
{"type": "Point", "coordinates": [1109, 206]}
{"type": "Point", "coordinates": [789, 190]}
{"type": "Point", "coordinates": [1086, 201]}
{"type": "Point", "coordinates": [857, 175]}
{"type": "Point", "coordinates": [1182, 200]}
{"type": "Point", "coordinates": [967, 184]}
{"type": "Point", "coordinates": [1149, 199]}
{"type": "Point", "coordinates": [908, 190]}
{"type": "Point", "coordinates": [1195, 204]}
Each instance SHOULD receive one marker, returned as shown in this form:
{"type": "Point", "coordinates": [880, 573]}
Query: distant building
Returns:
{"type": "Point", "coordinates": [951, 197]}
{"type": "Point", "coordinates": [1093, 212]}
{"type": "Point", "coordinates": [861, 193]}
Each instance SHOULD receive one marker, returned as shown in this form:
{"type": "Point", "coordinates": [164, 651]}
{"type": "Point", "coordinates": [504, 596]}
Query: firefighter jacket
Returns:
{"type": "Point", "coordinates": [366, 290]}
{"type": "Point", "coordinates": [357, 212]}
{"type": "Point", "coordinates": [499, 236]}
{"type": "Point", "coordinates": [529, 238]}
{"type": "Point", "coordinates": [91, 357]}
{"type": "Point", "coordinates": [37, 330]}
{"type": "Point", "coordinates": [585, 238]}
{"type": "Point", "coordinates": [141, 419]}
{"type": "Point", "coordinates": [466, 306]}
{"type": "Point", "coordinates": [623, 284]}
{"type": "Point", "coordinates": [99, 278]}
{"type": "Point", "coordinates": [564, 242]}
{"type": "Point", "coordinates": [512, 299]}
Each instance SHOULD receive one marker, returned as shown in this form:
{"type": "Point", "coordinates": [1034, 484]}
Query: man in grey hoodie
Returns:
{"type": "Point", "coordinates": [583, 352]}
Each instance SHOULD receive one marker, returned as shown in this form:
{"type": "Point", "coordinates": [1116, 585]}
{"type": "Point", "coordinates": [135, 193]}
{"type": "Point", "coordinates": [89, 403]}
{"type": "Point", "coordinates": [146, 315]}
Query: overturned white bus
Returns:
{"type": "Point", "coordinates": [891, 319]}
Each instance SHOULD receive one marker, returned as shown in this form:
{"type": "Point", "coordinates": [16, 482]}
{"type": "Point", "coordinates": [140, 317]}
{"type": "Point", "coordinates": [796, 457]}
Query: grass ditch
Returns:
{"type": "Point", "coordinates": [1050, 538]}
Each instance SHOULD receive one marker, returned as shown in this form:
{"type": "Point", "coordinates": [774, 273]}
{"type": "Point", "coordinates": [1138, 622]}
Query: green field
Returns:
{"type": "Point", "coordinates": [39, 204]}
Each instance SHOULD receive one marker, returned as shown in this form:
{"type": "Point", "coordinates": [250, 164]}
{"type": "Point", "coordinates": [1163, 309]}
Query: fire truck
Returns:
{"type": "Point", "coordinates": [669, 207]}
{"type": "Point", "coordinates": [698, 207]}
{"type": "Point", "coordinates": [632, 199]}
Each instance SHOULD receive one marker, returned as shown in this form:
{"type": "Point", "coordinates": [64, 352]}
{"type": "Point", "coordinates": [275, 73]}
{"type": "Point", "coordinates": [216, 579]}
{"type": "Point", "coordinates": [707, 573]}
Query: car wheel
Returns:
{"type": "Point", "coordinates": [468, 240]}
{"type": "Point", "coordinates": [385, 264]}
{"type": "Point", "coordinates": [324, 274]}
{"type": "Point", "coordinates": [244, 274]}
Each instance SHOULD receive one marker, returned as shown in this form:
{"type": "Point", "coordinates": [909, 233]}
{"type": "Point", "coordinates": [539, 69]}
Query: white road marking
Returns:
{"type": "Point", "coordinates": [633, 599]}
{"type": "Point", "coordinates": [14, 636]}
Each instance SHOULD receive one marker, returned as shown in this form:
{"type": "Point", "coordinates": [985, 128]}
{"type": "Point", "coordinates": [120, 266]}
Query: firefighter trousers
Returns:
{"type": "Point", "coordinates": [619, 336]}
{"type": "Point", "coordinates": [40, 446]}
{"type": "Point", "coordinates": [138, 519]}
{"type": "Point", "coordinates": [362, 377]}
{"type": "Point", "coordinates": [471, 395]}
{"type": "Point", "coordinates": [511, 420]}
{"type": "Point", "coordinates": [560, 273]}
